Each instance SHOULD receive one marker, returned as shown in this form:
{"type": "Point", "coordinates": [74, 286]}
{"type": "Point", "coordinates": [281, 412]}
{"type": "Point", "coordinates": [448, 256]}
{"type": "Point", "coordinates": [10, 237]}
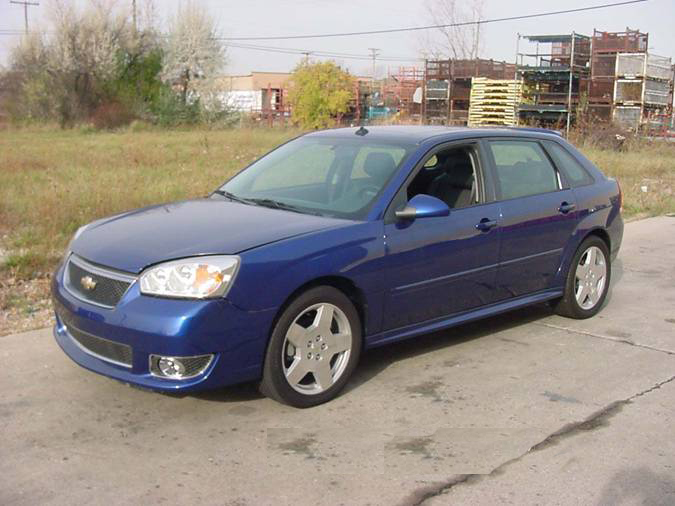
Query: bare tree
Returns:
{"type": "Point", "coordinates": [194, 55]}
{"type": "Point", "coordinates": [456, 42]}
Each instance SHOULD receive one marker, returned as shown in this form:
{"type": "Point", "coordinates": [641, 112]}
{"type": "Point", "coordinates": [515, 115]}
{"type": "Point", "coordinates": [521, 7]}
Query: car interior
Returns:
{"type": "Point", "coordinates": [450, 176]}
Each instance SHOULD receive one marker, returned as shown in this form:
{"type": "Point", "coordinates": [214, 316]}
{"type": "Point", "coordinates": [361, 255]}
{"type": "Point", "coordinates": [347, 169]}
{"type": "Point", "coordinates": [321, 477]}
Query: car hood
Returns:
{"type": "Point", "coordinates": [131, 241]}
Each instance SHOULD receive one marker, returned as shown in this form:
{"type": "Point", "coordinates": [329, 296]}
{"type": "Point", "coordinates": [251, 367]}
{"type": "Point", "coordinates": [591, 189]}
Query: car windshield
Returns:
{"type": "Point", "coordinates": [319, 175]}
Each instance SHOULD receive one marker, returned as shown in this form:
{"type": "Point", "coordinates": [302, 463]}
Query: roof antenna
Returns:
{"type": "Point", "coordinates": [361, 131]}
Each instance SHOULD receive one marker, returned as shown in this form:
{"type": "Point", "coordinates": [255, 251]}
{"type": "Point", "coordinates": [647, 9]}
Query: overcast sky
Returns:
{"type": "Point", "coordinates": [295, 17]}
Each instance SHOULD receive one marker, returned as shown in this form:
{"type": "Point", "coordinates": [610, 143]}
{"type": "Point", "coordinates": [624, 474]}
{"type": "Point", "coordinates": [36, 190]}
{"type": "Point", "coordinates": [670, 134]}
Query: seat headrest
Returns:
{"type": "Point", "coordinates": [459, 171]}
{"type": "Point", "coordinates": [379, 165]}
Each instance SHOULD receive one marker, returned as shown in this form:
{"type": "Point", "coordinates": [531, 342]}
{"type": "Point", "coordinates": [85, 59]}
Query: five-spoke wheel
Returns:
{"type": "Point", "coordinates": [317, 347]}
{"type": "Point", "coordinates": [587, 280]}
{"type": "Point", "coordinates": [313, 349]}
{"type": "Point", "coordinates": [590, 277]}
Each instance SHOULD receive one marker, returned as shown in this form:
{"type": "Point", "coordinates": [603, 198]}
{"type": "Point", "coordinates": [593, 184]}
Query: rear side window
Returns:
{"type": "Point", "coordinates": [522, 169]}
{"type": "Point", "coordinates": [575, 174]}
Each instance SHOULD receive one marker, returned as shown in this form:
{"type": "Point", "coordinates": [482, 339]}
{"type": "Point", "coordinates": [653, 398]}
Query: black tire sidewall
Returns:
{"type": "Point", "coordinates": [274, 382]}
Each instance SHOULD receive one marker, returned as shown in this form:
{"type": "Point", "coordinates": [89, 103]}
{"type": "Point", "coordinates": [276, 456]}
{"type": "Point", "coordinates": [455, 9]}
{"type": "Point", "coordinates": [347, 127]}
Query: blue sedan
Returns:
{"type": "Point", "coordinates": [337, 241]}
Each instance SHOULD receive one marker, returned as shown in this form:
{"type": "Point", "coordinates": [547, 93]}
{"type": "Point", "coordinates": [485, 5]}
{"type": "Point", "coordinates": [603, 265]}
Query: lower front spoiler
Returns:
{"type": "Point", "coordinates": [205, 381]}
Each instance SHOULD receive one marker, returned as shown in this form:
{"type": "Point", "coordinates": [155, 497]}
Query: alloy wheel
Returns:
{"type": "Point", "coordinates": [590, 278]}
{"type": "Point", "coordinates": [316, 348]}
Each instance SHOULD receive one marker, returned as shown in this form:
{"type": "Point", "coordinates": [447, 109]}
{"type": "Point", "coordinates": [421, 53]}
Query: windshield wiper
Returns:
{"type": "Point", "coordinates": [275, 204]}
{"type": "Point", "coordinates": [232, 196]}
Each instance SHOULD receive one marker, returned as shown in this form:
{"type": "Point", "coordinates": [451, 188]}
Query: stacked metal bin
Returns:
{"type": "Point", "coordinates": [643, 88]}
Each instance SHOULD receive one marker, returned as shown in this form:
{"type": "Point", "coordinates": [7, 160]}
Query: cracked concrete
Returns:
{"type": "Point", "coordinates": [599, 419]}
{"type": "Point", "coordinates": [525, 408]}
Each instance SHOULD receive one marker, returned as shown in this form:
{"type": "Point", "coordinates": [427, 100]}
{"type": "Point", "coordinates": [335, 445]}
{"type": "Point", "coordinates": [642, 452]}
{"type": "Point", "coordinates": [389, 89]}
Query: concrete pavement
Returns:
{"type": "Point", "coordinates": [526, 408]}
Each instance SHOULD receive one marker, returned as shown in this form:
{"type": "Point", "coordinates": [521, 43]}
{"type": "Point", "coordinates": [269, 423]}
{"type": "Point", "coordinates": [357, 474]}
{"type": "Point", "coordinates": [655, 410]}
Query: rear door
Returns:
{"type": "Point", "coordinates": [538, 215]}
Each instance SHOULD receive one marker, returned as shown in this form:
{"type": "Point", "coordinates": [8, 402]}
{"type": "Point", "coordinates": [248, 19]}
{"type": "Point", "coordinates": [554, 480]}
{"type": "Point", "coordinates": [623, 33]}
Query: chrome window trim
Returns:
{"type": "Point", "coordinates": [93, 354]}
{"type": "Point", "coordinates": [101, 271]}
{"type": "Point", "coordinates": [151, 367]}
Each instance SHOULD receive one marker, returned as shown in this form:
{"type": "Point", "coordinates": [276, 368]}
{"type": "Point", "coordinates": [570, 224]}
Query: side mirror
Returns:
{"type": "Point", "coordinates": [423, 206]}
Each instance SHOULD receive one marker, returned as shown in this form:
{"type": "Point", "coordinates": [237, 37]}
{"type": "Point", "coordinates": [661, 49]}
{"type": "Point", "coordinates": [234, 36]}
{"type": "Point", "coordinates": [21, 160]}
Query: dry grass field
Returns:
{"type": "Point", "coordinates": [52, 181]}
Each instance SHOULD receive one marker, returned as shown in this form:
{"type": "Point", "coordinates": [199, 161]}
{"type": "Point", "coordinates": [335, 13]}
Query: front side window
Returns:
{"type": "Point", "coordinates": [522, 169]}
{"type": "Point", "coordinates": [338, 176]}
{"type": "Point", "coordinates": [449, 175]}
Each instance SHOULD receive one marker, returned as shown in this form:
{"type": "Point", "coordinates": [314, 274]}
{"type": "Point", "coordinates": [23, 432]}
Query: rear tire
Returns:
{"type": "Point", "coordinates": [313, 350]}
{"type": "Point", "coordinates": [587, 280]}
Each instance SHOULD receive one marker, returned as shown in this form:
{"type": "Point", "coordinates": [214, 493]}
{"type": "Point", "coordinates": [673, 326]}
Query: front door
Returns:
{"type": "Point", "coordinates": [443, 265]}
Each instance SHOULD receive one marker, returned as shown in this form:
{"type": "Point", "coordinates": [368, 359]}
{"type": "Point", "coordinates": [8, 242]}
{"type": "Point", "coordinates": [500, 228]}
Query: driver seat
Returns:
{"type": "Point", "coordinates": [455, 186]}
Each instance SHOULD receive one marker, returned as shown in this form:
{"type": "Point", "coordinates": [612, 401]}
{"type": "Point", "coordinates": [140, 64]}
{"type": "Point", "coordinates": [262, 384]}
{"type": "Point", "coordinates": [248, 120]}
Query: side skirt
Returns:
{"type": "Point", "coordinates": [429, 326]}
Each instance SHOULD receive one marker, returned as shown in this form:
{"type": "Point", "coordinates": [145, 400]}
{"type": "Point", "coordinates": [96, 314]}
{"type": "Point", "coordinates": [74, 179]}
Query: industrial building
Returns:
{"type": "Point", "coordinates": [261, 94]}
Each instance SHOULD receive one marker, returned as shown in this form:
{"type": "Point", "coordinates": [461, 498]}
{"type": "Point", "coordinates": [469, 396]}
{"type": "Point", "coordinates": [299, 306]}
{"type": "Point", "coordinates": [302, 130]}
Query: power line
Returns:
{"type": "Point", "coordinates": [25, 9]}
{"type": "Point", "coordinates": [325, 54]}
{"type": "Point", "coordinates": [430, 27]}
{"type": "Point", "coordinates": [273, 49]}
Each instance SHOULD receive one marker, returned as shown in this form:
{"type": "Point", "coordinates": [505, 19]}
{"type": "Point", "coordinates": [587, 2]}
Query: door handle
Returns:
{"type": "Point", "coordinates": [566, 207]}
{"type": "Point", "coordinates": [485, 224]}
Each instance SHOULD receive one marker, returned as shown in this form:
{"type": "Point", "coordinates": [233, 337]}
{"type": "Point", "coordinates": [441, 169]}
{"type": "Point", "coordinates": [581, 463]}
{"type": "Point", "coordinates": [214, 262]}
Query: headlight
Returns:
{"type": "Point", "coordinates": [192, 278]}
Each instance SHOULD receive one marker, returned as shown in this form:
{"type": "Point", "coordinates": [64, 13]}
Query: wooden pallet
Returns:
{"type": "Point", "coordinates": [491, 122]}
{"type": "Point", "coordinates": [494, 101]}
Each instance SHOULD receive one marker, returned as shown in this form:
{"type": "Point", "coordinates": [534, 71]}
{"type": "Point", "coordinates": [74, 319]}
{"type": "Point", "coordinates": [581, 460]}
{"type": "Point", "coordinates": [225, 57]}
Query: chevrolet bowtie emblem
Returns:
{"type": "Point", "coordinates": [88, 283]}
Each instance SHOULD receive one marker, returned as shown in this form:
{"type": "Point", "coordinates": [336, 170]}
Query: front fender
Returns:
{"type": "Point", "coordinates": [270, 274]}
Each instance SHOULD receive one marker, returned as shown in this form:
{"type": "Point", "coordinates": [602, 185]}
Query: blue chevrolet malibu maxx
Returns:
{"type": "Point", "coordinates": [334, 242]}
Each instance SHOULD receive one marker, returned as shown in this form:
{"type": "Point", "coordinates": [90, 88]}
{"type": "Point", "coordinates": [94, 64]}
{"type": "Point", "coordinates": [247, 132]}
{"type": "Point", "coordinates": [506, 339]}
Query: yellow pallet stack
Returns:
{"type": "Point", "coordinates": [494, 102]}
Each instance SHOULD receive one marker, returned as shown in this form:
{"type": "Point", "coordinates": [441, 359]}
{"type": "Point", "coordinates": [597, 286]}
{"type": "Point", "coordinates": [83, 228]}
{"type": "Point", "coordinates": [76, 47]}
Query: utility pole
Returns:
{"type": "Point", "coordinates": [307, 53]}
{"type": "Point", "coordinates": [135, 19]}
{"type": "Point", "coordinates": [374, 53]}
{"type": "Point", "coordinates": [25, 9]}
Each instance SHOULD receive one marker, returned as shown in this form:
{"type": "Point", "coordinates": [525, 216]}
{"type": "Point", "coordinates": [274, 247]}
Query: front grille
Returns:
{"type": "Point", "coordinates": [102, 348]}
{"type": "Point", "coordinates": [96, 284]}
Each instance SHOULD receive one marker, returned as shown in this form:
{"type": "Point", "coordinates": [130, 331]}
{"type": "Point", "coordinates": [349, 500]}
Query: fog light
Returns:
{"type": "Point", "coordinates": [171, 367]}
{"type": "Point", "coordinates": [179, 368]}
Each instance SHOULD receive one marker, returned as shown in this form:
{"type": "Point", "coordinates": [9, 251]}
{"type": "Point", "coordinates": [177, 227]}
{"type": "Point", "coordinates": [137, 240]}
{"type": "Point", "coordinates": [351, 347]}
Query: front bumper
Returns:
{"type": "Point", "coordinates": [168, 327]}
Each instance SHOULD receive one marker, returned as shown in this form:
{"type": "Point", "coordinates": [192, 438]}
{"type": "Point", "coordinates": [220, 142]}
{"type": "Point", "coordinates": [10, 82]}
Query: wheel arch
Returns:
{"type": "Point", "coordinates": [572, 248]}
{"type": "Point", "coordinates": [344, 285]}
{"type": "Point", "coordinates": [602, 234]}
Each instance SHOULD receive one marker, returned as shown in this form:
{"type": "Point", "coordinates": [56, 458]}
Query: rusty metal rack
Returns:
{"type": "Point", "coordinates": [605, 46]}
{"type": "Point", "coordinates": [447, 87]}
{"type": "Point", "coordinates": [399, 90]}
{"type": "Point", "coordinates": [553, 70]}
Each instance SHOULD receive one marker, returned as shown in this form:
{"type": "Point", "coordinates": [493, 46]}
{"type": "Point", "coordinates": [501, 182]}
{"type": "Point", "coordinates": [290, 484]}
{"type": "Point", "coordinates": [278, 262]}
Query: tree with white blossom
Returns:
{"type": "Point", "coordinates": [193, 55]}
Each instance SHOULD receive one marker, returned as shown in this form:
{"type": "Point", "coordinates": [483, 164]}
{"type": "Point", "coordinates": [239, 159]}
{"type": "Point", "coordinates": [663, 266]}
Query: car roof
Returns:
{"type": "Point", "coordinates": [418, 134]}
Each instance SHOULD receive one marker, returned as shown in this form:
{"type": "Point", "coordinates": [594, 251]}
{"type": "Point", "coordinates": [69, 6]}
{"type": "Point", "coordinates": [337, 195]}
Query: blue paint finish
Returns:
{"type": "Point", "coordinates": [529, 265]}
{"type": "Point", "coordinates": [440, 266]}
{"type": "Point", "coordinates": [412, 276]}
{"type": "Point", "coordinates": [134, 240]}
{"type": "Point", "coordinates": [426, 206]}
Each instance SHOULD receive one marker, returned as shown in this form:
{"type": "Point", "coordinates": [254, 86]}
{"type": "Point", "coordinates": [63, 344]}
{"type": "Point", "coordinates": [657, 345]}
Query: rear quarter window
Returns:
{"type": "Point", "coordinates": [574, 173]}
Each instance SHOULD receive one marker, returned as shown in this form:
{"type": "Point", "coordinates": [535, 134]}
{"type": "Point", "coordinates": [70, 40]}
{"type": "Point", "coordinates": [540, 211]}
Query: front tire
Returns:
{"type": "Point", "coordinates": [313, 349]}
{"type": "Point", "coordinates": [587, 280]}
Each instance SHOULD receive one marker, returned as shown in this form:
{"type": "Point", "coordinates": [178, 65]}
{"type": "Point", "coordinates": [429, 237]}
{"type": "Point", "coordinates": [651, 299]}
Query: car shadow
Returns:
{"type": "Point", "coordinates": [376, 360]}
{"type": "Point", "coordinates": [617, 275]}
